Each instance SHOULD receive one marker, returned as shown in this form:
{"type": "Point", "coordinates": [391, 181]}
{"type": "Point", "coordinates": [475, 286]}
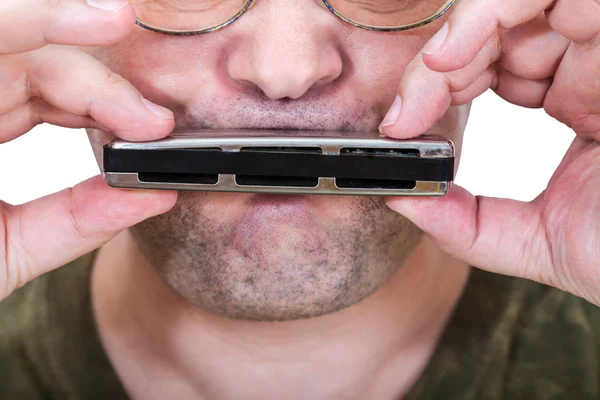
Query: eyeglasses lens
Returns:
{"type": "Point", "coordinates": [388, 13]}
{"type": "Point", "coordinates": [196, 15]}
{"type": "Point", "coordinates": [187, 15]}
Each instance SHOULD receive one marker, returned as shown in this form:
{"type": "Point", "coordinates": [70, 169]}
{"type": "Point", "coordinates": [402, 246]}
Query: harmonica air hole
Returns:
{"type": "Point", "coordinates": [205, 179]}
{"type": "Point", "coordinates": [276, 181]}
{"type": "Point", "coordinates": [196, 149]}
{"type": "Point", "coordinates": [362, 151]}
{"type": "Point", "coordinates": [352, 183]}
{"type": "Point", "coordinates": [280, 149]}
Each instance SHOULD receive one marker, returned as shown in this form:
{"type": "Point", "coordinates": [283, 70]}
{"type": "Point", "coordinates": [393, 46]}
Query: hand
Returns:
{"type": "Point", "coordinates": [41, 81]}
{"type": "Point", "coordinates": [533, 53]}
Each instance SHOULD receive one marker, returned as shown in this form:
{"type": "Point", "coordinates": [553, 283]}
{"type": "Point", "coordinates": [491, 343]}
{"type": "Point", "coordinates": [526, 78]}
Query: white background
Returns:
{"type": "Point", "coordinates": [508, 151]}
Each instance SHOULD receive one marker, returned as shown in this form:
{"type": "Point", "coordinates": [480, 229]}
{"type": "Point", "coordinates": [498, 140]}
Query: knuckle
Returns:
{"type": "Point", "coordinates": [458, 80]}
{"type": "Point", "coordinates": [106, 83]}
{"type": "Point", "coordinates": [111, 78]}
{"type": "Point", "coordinates": [18, 255]}
{"type": "Point", "coordinates": [53, 4]}
{"type": "Point", "coordinates": [33, 113]}
{"type": "Point", "coordinates": [113, 82]}
{"type": "Point", "coordinates": [14, 79]}
{"type": "Point", "coordinates": [75, 212]}
{"type": "Point", "coordinates": [554, 108]}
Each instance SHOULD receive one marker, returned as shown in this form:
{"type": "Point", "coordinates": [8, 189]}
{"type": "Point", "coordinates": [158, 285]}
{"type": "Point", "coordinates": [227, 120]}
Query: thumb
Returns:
{"type": "Point", "coordinates": [498, 235]}
{"type": "Point", "coordinates": [55, 229]}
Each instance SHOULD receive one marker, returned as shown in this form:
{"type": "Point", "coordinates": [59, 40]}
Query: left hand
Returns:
{"type": "Point", "coordinates": [534, 56]}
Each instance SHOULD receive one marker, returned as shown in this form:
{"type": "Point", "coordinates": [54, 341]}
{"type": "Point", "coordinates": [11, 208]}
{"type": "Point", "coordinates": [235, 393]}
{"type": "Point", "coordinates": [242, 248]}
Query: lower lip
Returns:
{"type": "Point", "coordinates": [267, 210]}
{"type": "Point", "coordinates": [271, 219]}
{"type": "Point", "coordinates": [279, 206]}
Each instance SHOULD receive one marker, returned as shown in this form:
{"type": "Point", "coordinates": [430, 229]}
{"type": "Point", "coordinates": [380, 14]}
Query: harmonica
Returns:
{"type": "Point", "coordinates": [284, 161]}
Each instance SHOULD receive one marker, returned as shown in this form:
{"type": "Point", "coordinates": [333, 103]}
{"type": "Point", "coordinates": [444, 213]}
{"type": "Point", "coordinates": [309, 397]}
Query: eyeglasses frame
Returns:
{"type": "Point", "coordinates": [403, 27]}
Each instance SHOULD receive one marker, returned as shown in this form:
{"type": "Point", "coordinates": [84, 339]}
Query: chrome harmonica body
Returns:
{"type": "Point", "coordinates": [271, 161]}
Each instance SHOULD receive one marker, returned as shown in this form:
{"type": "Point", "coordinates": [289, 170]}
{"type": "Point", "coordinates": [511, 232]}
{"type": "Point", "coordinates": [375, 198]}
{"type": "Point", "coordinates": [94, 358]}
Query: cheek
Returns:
{"type": "Point", "coordinates": [168, 70]}
{"type": "Point", "coordinates": [171, 70]}
{"type": "Point", "coordinates": [378, 60]}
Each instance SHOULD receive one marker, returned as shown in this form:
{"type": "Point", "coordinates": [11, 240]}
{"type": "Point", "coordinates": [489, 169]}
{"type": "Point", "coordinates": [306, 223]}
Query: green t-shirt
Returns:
{"type": "Point", "coordinates": [508, 339]}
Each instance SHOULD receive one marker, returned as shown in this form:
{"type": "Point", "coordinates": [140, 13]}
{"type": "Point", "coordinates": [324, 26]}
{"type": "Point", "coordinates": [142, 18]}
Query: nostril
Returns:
{"type": "Point", "coordinates": [284, 73]}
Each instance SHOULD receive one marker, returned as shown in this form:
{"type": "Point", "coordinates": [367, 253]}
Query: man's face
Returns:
{"type": "Point", "coordinates": [284, 64]}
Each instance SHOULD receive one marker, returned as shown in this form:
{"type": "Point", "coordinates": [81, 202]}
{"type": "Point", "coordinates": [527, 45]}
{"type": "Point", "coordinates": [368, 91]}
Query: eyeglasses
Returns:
{"type": "Point", "coordinates": [193, 17]}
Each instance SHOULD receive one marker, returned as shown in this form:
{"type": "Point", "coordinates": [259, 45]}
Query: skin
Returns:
{"type": "Point", "coordinates": [235, 263]}
{"type": "Point", "coordinates": [384, 292]}
{"type": "Point", "coordinates": [531, 58]}
{"type": "Point", "coordinates": [274, 257]}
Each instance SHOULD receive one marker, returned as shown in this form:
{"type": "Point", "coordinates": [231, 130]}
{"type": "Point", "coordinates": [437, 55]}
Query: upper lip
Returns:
{"type": "Point", "coordinates": [244, 113]}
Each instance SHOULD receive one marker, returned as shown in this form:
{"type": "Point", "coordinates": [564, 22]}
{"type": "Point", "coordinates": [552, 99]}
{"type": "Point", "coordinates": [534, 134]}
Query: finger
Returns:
{"type": "Point", "coordinates": [574, 97]}
{"type": "Point", "coordinates": [56, 229]}
{"type": "Point", "coordinates": [90, 89]}
{"type": "Point", "coordinates": [30, 24]}
{"type": "Point", "coordinates": [37, 111]}
{"type": "Point", "coordinates": [471, 25]}
{"type": "Point", "coordinates": [425, 95]}
{"type": "Point", "coordinates": [532, 50]}
{"type": "Point", "coordinates": [489, 79]}
{"type": "Point", "coordinates": [577, 147]}
{"type": "Point", "coordinates": [473, 22]}
{"type": "Point", "coordinates": [499, 235]}
{"type": "Point", "coordinates": [520, 91]}
{"type": "Point", "coordinates": [578, 20]}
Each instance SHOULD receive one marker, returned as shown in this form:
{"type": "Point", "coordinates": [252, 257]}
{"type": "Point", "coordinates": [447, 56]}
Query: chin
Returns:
{"type": "Point", "coordinates": [275, 257]}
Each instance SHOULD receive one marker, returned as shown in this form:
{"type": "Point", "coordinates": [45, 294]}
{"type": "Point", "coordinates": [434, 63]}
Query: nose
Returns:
{"type": "Point", "coordinates": [285, 48]}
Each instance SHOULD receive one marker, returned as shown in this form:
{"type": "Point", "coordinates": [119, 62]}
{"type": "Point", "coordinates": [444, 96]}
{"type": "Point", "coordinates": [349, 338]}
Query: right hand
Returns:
{"type": "Point", "coordinates": [44, 79]}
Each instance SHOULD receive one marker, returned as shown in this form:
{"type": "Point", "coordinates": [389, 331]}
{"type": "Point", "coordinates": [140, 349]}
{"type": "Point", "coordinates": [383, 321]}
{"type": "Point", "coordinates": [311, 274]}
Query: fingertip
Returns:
{"type": "Point", "coordinates": [138, 123]}
{"type": "Point", "coordinates": [98, 187]}
{"type": "Point", "coordinates": [166, 199]}
{"type": "Point", "coordinates": [95, 23]}
{"type": "Point", "coordinates": [435, 51]}
{"type": "Point", "coordinates": [408, 205]}
{"type": "Point", "coordinates": [391, 117]}
{"type": "Point", "coordinates": [460, 39]}
{"type": "Point", "coordinates": [433, 206]}
{"type": "Point", "coordinates": [131, 206]}
{"type": "Point", "coordinates": [451, 57]}
{"type": "Point", "coordinates": [154, 130]}
{"type": "Point", "coordinates": [159, 111]}
{"type": "Point", "coordinates": [114, 26]}
{"type": "Point", "coordinates": [424, 212]}
{"type": "Point", "coordinates": [439, 216]}
{"type": "Point", "coordinates": [398, 131]}
{"type": "Point", "coordinates": [435, 62]}
{"type": "Point", "coordinates": [418, 115]}
{"type": "Point", "coordinates": [124, 23]}
{"type": "Point", "coordinates": [397, 125]}
{"type": "Point", "coordinates": [435, 44]}
{"type": "Point", "coordinates": [160, 121]}
{"type": "Point", "coordinates": [108, 5]}
{"type": "Point", "coordinates": [158, 199]}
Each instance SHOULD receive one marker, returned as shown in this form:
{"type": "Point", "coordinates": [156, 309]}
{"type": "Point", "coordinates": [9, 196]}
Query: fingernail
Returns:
{"type": "Point", "coordinates": [436, 42]}
{"type": "Point", "coordinates": [157, 110]}
{"type": "Point", "coordinates": [109, 5]}
{"type": "Point", "coordinates": [392, 115]}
